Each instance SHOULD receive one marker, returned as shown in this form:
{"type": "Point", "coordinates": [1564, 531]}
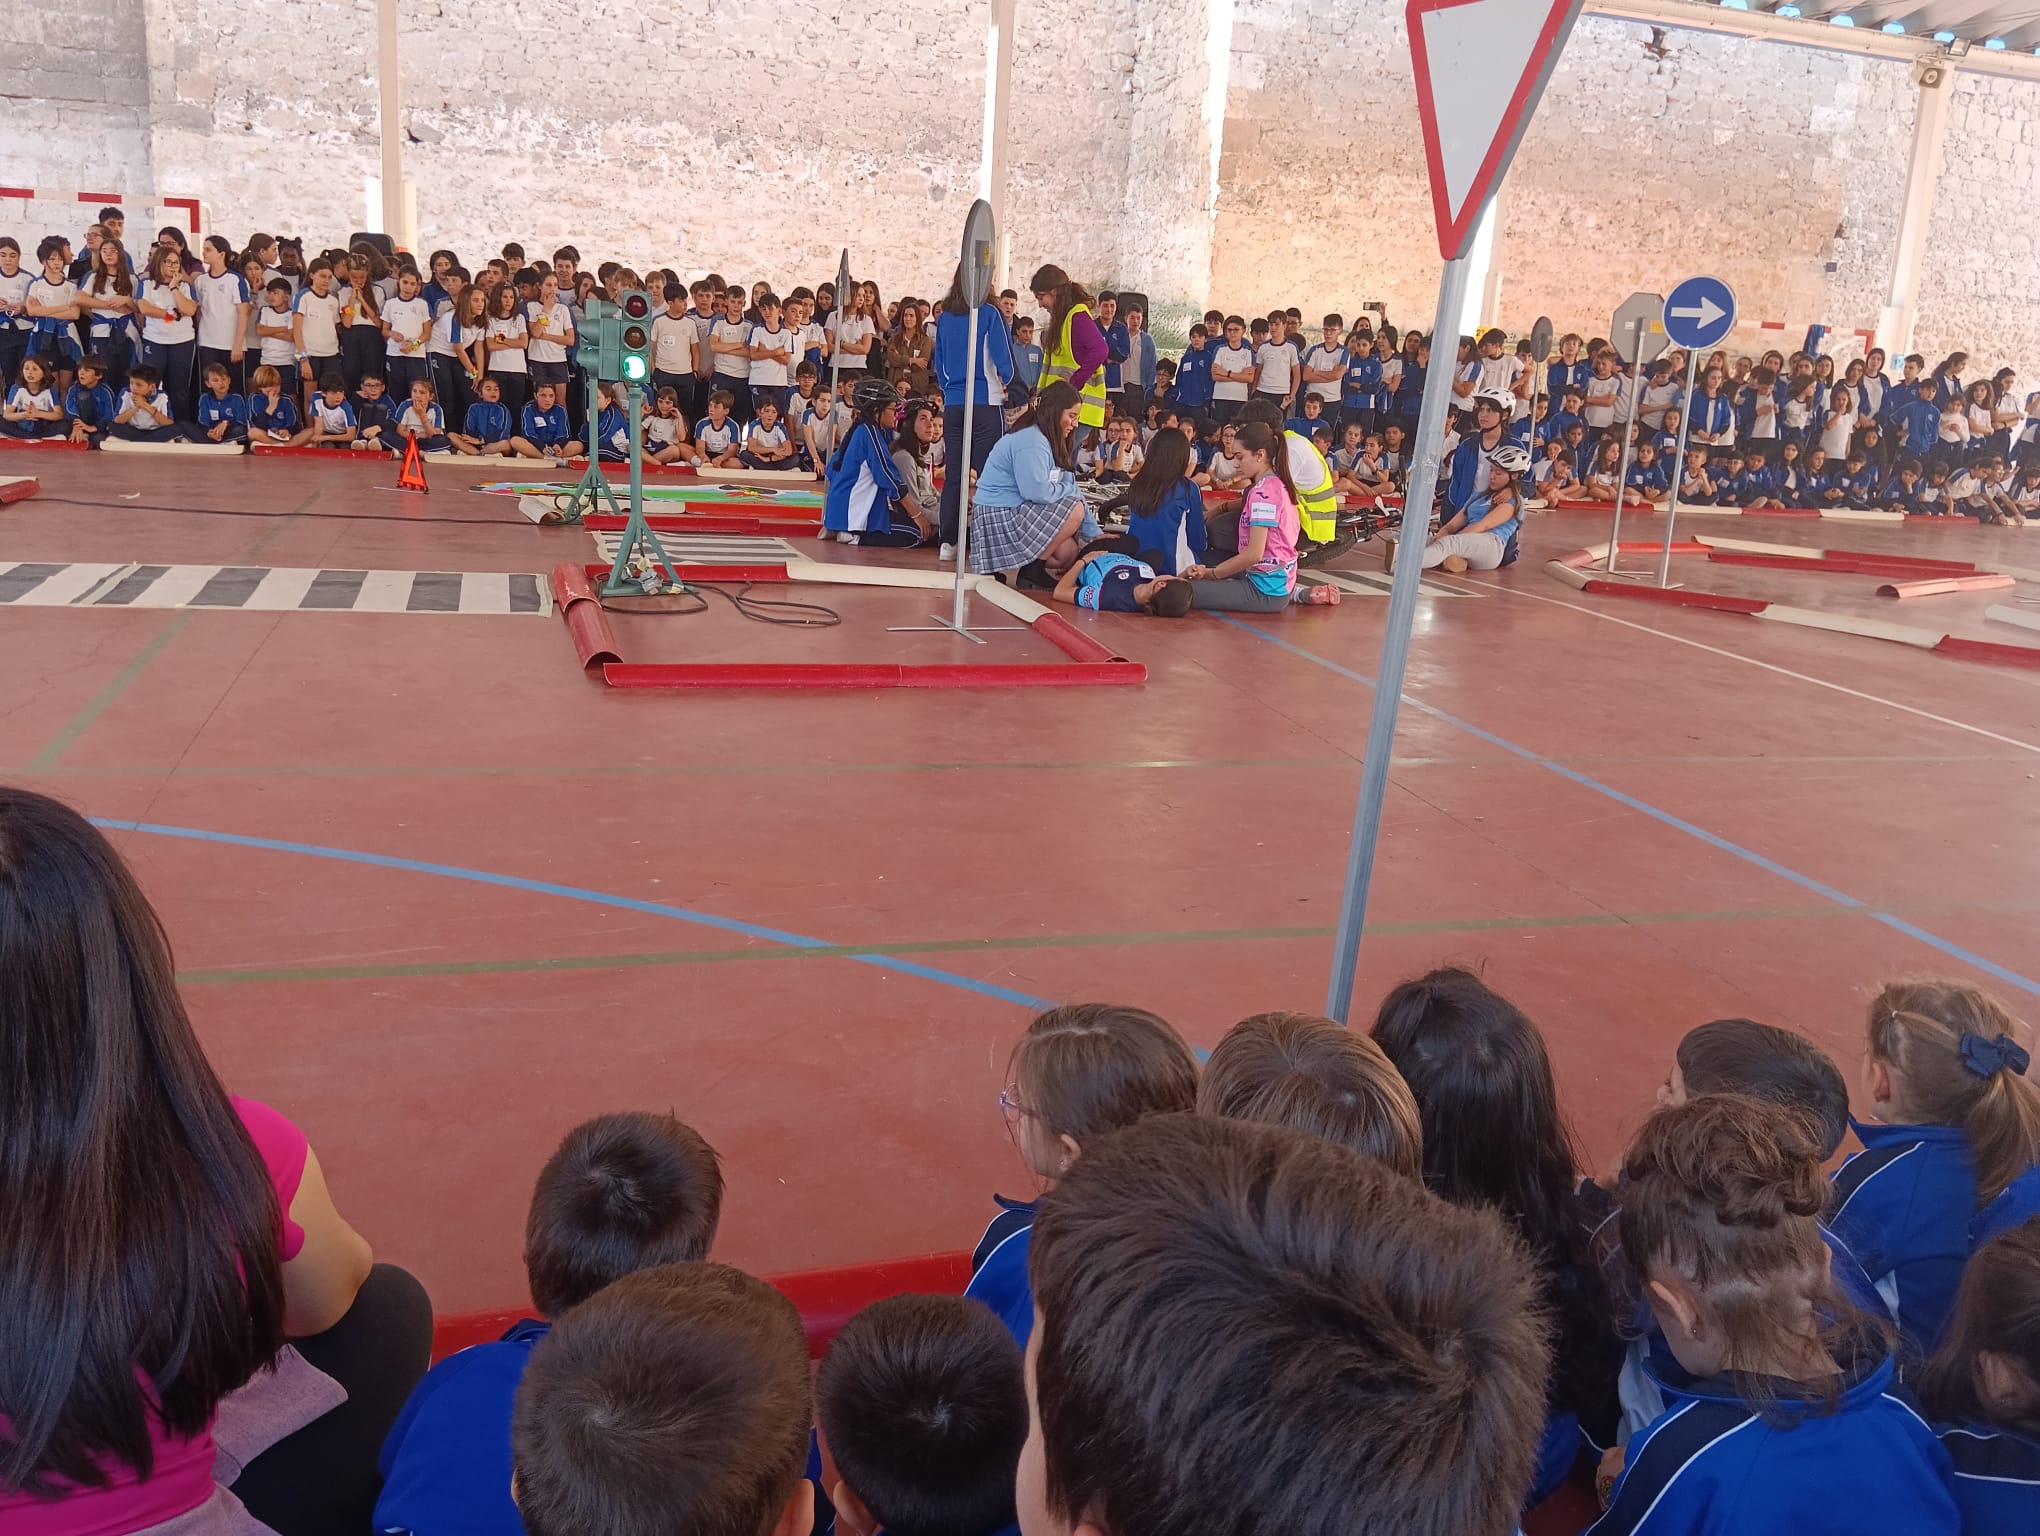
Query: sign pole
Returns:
{"type": "Point", "coordinates": [1622, 474]}
{"type": "Point", "coordinates": [836, 352]}
{"type": "Point", "coordinates": [1664, 571]}
{"type": "Point", "coordinates": [960, 465]}
{"type": "Point", "coordinates": [1418, 493]}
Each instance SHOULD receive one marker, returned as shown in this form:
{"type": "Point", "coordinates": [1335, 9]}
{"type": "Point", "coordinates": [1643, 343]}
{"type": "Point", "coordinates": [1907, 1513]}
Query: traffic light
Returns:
{"type": "Point", "coordinates": [635, 357]}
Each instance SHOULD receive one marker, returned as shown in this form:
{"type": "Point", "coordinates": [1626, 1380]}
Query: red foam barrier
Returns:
{"type": "Point", "coordinates": [1678, 597]}
{"type": "Point", "coordinates": [1779, 512]}
{"type": "Point", "coordinates": [825, 1298]}
{"type": "Point", "coordinates": [1072, 641]}
{"type": "Point", "coordinates": [810, 675]}
{"type": "Point", "coordinates": [698, 522]}
{"type": "Point", "coordinates": [45, 444]}
{"type": "Point", "coordinates": [19, 490]}
{"type": "Point", "coordinates": [1942, 586]}
{"type": "Point", "coordinates": [1989, 650]}
{"type": "Point", "coordinates": [307, 451]}
{"type": "Point", "coordinates": [1939, 517]}
{"type": "Point", "coordinates": [587, 625]}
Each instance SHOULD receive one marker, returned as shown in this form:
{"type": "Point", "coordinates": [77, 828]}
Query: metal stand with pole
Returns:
{"type": "Point", "coordinates": [637, 534]}
{"type": "Point", "coordinates": [1395, 650]}
{"type": "Point", "coordinates": [1622, 474]}
{"type": "Point", "coordinates": [1664, 573]}
{"type": "Point", "coordinates": [1639, 336]}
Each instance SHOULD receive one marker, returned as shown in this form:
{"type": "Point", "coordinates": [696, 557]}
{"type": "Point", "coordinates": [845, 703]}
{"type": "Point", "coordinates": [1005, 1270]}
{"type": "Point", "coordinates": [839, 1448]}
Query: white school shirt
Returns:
{"type": "Point", "coordinates": [1981, 420]}
{"type": "Point", "coordinates": [1278, 367]}
{"type": "Point", "coordinates": [219, 300]}
{"type": "Point", "coordinates": [332, 419]}
{"type": "Point", "coordinates": [1954, 425]}
{"type": "Point", "coordinates": [728, 365]}
{"type": "Point", "coordinates": [105, 320]}
{"type": "Point", "coordinates": [772, 370]}
{"type": "Point", "coordinates": [807, 337]}
{"type": "Point", "coordinates": [1234, 359]}
{"type": "Point", "coordinates": [1657, 399]}
{"type": "Point", "coordinates": [1796, 414]}
{"type": "Point", "coordinates": [673, 341]}
{"type": "Point", "coordinates": [759, 436]}
{"type": "Point", "coordinates": [511, 361]}
{"type": "Point", "coordinates": [410, 321]}
{"type": "Point", "coordinates": [41, 400]}
{"type": "Point", "coordinates": [148, 413]}
{"type": "Point", "coordinates": [1597, 408]}
{"type": "Point", "coordinates": [43, 291]}
{"type": "Point", "coordinates": [14, 290]}
{"type": "Point", "coordinates": [545, 347]}
{"type": "Point", "coordinates": [713, 440]}
{"type": "Point", "coordinates": [278, 354]}
{"type": "Point", "coordinates": [1501, 373]}
{"type": "Point", "coordinates": [854, 328]}
{"type": "Point", "coordinates": [322, 321]}
{"type": "Point", "coordinates": [441, 342]}
{"type": "Point", "coordinates": [431, 426]}
{"type": "Point", "coordinates": [1322, 356]}
{"type": "Point", "coordinates": [1835, 437]}
{"type": "Point", "coordinates": [166, 333]}
{"type": "Point", "coordinates": [661, 431]}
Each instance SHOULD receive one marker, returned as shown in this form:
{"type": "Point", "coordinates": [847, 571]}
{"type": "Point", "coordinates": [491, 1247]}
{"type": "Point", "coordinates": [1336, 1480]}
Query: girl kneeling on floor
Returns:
{"type": "Point", "coordinates": [864, 482]}
{"type": "Point", "coordinates": [1477, 536]}
{"type": "Point", "coordinates": [1261, 578]}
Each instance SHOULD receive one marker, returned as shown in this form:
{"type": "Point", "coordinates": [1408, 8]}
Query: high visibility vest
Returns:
{"type": "Point", "coordinates": [1317, 503]}
{"type": "Point", "coordinates": [1061, 363]}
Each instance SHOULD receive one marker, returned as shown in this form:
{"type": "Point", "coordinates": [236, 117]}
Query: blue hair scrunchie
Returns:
{"type": "Point", "coordinates": [1987, 1058]}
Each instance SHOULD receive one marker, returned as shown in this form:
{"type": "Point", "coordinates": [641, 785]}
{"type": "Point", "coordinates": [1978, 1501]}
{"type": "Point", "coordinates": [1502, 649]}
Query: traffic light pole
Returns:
{"type": "Point", "coordinates": [637, 533]}
{"type": "Point", "coordinates": [593, 487]}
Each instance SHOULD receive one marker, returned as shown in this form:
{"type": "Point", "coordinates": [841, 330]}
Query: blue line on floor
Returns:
{"type": "Point", "coordinates": [736, 925]}
{"type": "Point", "coordinates": [1656, 813]}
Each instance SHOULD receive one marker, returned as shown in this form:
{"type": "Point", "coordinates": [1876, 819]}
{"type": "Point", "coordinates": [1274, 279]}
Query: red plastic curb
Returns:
{"type": "Point", "coordinates": [588, 626]}
{"type": "Point", "coordinates": [794, 675]}
{"type": "Point", "coordinates": [1072, 641]}
{"type": "Point", "coordinates": [1677, 597]}
{"type": "Point", "coordinates": [19, 490]}
{"type": "Point", "coordinates": [45, 444]}
{"type": "Point", "coordinates": [1989, 650]}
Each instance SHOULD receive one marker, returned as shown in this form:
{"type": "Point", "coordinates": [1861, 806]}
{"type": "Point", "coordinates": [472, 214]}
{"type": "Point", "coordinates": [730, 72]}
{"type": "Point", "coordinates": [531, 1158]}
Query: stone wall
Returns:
{"type": "Point", "coordinates": [73, 97]}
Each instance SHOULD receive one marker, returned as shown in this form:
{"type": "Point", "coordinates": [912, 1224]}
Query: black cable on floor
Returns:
{"type": "Point", "coordinates": [761, 610]}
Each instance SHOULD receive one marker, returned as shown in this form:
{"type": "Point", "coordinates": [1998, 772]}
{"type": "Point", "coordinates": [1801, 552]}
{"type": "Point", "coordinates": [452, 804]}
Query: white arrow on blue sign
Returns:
{"type": "Point", "coordinates": [1700, 312]}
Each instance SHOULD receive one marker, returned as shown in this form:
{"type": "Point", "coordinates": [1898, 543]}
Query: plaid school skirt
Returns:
{"type": "Point", "coordinates": [1006, 538]}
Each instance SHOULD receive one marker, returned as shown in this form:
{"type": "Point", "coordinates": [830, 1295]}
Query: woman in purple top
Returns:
{"type": "Point", "coordinates": [1074, 347]}
{"type": "Point", "coordinates": [160, 1240]}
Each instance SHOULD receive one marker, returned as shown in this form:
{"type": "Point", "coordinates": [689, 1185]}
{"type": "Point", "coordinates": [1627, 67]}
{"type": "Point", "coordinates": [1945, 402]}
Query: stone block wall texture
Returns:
{"type": "Point", "coordinates": [760, 138]}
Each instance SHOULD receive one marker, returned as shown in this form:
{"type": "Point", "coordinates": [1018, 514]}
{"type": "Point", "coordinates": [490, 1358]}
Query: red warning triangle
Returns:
{"type": "Point", "coordinates": [412, 476]}
{"type": "Point", "coordinates": [1481, 66]}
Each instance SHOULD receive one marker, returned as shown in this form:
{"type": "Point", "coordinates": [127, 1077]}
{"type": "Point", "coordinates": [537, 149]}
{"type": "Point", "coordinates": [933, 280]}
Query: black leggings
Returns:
{"type": "Point", "coordinates": [987, 426]}
{"type": "Point", "coordinates": [361, 352]}
{"type": "Point", "coordinates": [322, 1481]}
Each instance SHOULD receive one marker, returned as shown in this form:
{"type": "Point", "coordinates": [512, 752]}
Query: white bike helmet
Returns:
{"type": "Point", "coordinates": [1510, 458]}
{"type": "Point", "coordinates": [1500, 399]}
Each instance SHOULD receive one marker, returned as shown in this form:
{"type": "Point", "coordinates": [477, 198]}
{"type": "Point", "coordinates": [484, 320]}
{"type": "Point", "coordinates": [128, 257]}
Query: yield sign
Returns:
{"type": "Point", "coordinates": [1481, 66]}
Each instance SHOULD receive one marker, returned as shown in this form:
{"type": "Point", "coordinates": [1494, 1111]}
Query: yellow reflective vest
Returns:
{"type": "Point", "coordinates": [1061, 363]}
{"type": "Point", "coordinates": [1317, 503]}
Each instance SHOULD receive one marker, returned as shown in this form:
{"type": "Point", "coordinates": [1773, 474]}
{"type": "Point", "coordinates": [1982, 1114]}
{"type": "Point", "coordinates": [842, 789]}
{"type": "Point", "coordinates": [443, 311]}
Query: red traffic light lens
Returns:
{"type": "Point", "coordinates": [636, 306]}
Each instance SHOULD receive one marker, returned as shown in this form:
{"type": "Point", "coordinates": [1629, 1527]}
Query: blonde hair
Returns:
{"type": "Point", "coordinates": [1312, 1075]}
{"type": "Point", "coordinates": [1963, 1058]}
{"type": "Point", "coordinates": [266, 377]}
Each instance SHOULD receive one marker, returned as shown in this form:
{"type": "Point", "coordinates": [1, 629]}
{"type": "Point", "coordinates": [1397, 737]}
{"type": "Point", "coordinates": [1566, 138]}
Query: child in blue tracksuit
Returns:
{"type": "Point", "coordinates": [1079, 1071]}
{"type": "Point", "coordinates": [623, 1192]}
{"type": "Point", "coordinates": [1782, 1413]}
{"type": "Point", "coordinates": [1959, 1123]}
{"type": "Point", "coordinates": [864, 483]}
{"type": "Point", "coordinates": [1918, 420]}
{"type": "Point", "coordinates": [1982, 1388]}
{"type": "Point", "coordinates": [1861, 481]}
{"type": "Point", "coordinates": [89, 403]}
{"type": "Point", "coordinates": [1165, 510]}
{"type": "Point", "coordinates": [222, 415]}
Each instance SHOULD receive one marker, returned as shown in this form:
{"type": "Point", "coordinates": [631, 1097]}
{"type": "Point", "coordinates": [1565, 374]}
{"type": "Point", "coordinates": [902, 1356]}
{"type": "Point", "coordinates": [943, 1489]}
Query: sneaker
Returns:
{"type": "Point", "coordinates": [825, 534]}
{"type": "Point", "coordinates": [1319, 594]}
{"type": "Point", "coordinates": [947, 553]}
{"type": "Point", "coordinates": [846, 537]}
{"type": "Point", "coordinates": [1452, 565]}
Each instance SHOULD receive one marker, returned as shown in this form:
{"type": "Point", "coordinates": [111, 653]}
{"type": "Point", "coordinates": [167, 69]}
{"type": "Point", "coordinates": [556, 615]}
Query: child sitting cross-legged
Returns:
{"type": "Point", "coordinates": [272, 413]}
{"type": "Point", "coordinates": [624, 1192]}
{"type": "Point", "coordinates": [921, 1412]}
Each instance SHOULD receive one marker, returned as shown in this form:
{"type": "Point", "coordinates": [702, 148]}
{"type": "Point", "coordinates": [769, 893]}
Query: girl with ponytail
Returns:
{"type": "Point", "coordinates": [1261, 578]}
{"type": "Point", "coordinates": [1781, 1415]}
{"type": "Point", "coordinates": [1958, 1126]}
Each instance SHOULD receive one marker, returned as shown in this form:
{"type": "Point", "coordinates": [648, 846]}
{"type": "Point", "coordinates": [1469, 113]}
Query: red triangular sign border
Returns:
{"type": "Point", "coordinates": [1455, 226]}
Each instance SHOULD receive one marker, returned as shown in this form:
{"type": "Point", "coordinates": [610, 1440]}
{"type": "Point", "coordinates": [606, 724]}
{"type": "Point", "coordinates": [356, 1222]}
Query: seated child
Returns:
{"type": "Point", "coordinates": [1315, 1076]}
{"type": "Point", "coordinates": [666, 428]}
{"type": "Point", "coordinates": [1247, 1329]}
{"type": "Point", "coordinates": [144, 416]}
{"type": "Point", "coordinates": [612, 426]}
{"type": "Point", "coordinates": [1933, 496]}
{"type": "Point", "coordinates": [487, 429]}
{"type": "Point", "coordinates": [1561, 480]}
{"type": "Point", "coordinates": [673, 1400]}
{"type": "Point", "coordinates": [331, 424]}
{"type": "Point", "coordinates": [1756, 486]}
{"type": "Point", "coordinates": [767, 444]}
{"type": "Point", "coordinates": [1225, 471]}
{"type": "Point", "coordinates": [921, 1413]}
{"type": "Point", "coordinates": [1820, 485]}
{"type": "Point", "coordinates": [718, 440]}
{"type": "Point", "coordinates": [272, 412]}
{"type": "Point", "coordinates": [89, 404]}
{"type": "Point", "coordinates": [1696, 482]}
{"type": "Point", "coordinates": [1646, 475]}
{"type": "Point", "coordinates": [1079, 1071]}
{"type": "Point", "coordinates": [1109, 582]}
{"type": "Point", "coordinates": [31, 408]}
{"type": "Point", "coordinates": [222, 414]}
{"type": "Point", "coordinates": [1982, 1388]}
{"type": "Point", "coordinates": [1860, 480]}
{"type": "Point", "coordinates": [1165, 510]}
{"type": "Point", "coordinates": [1957, 1124]}
{"type": "Point", "coordinates": [2024, 494]}
{"type": "Point", "coordinates": [374, 419]}
{"type": "Point", "coordinates": [1901, 493]}
{"type": "Point", "coordinates": [1121, 457]}
{"type": "Point", "coordinates": [1598, 484]}
{"type": "Point", "coordinates": [544, 431]}
{"type": "Point", "coordinates": [421, 420]}
{"type": "Point", "coordinates": [1781, 1413]}
{"type": "Point", "coordinates": [1309, 418]}
{"type": "Point", "coordinates": [623, 1193]}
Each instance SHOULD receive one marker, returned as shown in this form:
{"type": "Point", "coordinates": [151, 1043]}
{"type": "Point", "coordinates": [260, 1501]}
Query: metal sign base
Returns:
{"type": "Point", "coordinates": [974, 636]}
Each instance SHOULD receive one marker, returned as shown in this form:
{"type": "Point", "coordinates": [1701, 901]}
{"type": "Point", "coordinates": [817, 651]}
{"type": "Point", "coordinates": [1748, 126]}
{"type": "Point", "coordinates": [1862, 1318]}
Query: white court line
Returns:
{"type": "Point", "coordinates": [66, 585]}
{"type": "Point", "coordinates": [1818, 682]}
{"type": "Point", "coordinates": [281, 590]}
{"type": "Point", "coordinates": [384, 592]}
{"type": "Point", "coordinates": [485, 592]}
{"type": "Point", "coordinates": [175, 587]}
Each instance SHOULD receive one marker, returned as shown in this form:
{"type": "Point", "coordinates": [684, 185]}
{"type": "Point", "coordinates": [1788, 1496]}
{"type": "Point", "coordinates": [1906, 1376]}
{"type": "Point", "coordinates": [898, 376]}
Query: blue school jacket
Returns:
{"type": "Point", "coordinates": [1905, 1204]}
{"type": "Point", "coordinates": [1193, 378]}
{"type": "Point", "coordinates": [1362, 384]}
{"type": "Point", "coordinates": [998, 1267]}
{"type": "Point", "coordinates": [863, 483]}
{"type": "Point", "coordinates": [1897, 493]}
{"type": "Point", "coordinates": [1710, 414]}
{"type": "Point", "coordinates": [1997, 1479]}
{"type": "Point", "coordinates": [374, 413]}
{"type": "Point", "coordinates": [1712, 1465]}
{"type": "Point", "coordinates": [1559, 377]}
{"type": "Point", "coordinates": [1118, 347]}
{"type": "Point", "coordinates": [488, 423]}
{"type": "Point", "coordinates": [101, 397]}
{"type": "Point", "coordinates": [283, 419]}
{"type": "Point", "coordinates": [1649, 478]}
{"type": "Point", "coordinates": [1756, 485]}
{"type": "Point", "coordinates": [1862, 486]}
{"type": "Point", "coordinates": [2019, 1204]}
{"type": "Point", "coordinates": [1921, 424]}
{"type": "Point", "coordinates": [214, 409]}
{"type": "Point", "coordinates": [1178, 520]}
{"type": "Point", "coordinates": [952, 353]}
{"type": "Point", "coordinates": [543, 427]}
{"type": "Point", "coordinates": [446, 1463]}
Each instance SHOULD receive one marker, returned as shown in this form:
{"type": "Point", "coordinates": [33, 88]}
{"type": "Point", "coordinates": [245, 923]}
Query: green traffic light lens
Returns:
{"type": "Point", "coordinates": [633, 370]}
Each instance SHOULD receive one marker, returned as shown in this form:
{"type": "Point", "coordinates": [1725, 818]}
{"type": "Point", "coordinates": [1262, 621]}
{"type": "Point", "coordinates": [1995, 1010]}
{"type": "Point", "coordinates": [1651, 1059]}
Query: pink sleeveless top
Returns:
{"type": "Point", "coordinates": [183, 1479]}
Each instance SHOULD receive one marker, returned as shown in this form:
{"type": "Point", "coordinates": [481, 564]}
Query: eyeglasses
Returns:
{"type": "Point", "coordinates": [1013, 1109]}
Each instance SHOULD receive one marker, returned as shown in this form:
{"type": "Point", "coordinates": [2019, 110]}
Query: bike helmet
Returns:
{"type": "Point", "coordinates": [870, 396]}
{"type": "Point", "coordinates": [1511, 458]}
{"type": "Point", "coordinates": [1500, 399]}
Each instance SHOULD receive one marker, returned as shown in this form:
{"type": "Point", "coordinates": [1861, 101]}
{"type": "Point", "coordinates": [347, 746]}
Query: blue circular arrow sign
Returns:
{"type": "Point", "coordinates": [1700, 312]}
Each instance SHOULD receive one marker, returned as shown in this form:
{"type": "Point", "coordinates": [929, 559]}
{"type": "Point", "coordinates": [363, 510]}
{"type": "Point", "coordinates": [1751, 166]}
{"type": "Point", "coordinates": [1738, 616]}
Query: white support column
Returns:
{"type": "Point", "coordinates": [1483, 278]}
{"type": "Point", "coordinates": [993, 155]}
{"type": "Point", "coordinates": [1922, 174]}
{"type": "Point", "coordinates": [390, 119]}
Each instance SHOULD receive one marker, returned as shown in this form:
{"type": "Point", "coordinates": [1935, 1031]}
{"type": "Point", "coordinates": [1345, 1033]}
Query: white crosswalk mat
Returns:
{"type": "Point", "coordinates": [1377, 584]}
{"type": "Point", "coordinates": [708, 549]}
{"type": "Point", "coordinates": [271, 589]}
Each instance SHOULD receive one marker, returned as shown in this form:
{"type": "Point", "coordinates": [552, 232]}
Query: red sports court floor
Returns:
{"type": "Point", "coordinates": [438, 895]}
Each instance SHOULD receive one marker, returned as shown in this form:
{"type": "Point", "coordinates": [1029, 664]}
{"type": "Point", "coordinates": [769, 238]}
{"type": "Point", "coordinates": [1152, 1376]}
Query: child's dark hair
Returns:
{"type": "Point", "coordinates": [1258, 429]}
{"type": "Point", "coordinates": [1249, 1330]}
{"type": "Point", "coordinates": [1494, 1135]}
{"type": "Point", "coordinates": [1170, 600]}
{"type": "Point", "coordinates": [1768, 1063]}
{"type": "Point", "coordinates": [723, 398]}
{"type": "Point", "coordinates": [676, 1399]}
{"type": "Point", "coordinates": [331, 383]}
{"type": "Point", "coordinates": [623, 1192]}
{"type": "Point", "coordinates": [144, 373]}
{"type": "Point", "coordinates": [1727, 1191]}
{"type": "Point", "coordinates": [923, 1407]}
{"type": "Point", "coordinates": [1305, 1072]}
{"type": "Point", "coordinates": [1997, 1311]}
{"type": "Point", "coordinates": [1166, 465]}
{"type": "Point", "coordinates": [1088, 1068]}
{"type": "Point", "coordinates": [216, 371]}
{"type": "Point", "coordinates": [1963, 1058]}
